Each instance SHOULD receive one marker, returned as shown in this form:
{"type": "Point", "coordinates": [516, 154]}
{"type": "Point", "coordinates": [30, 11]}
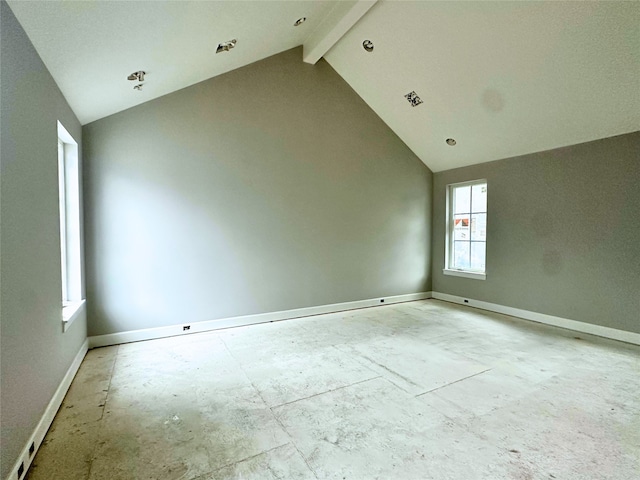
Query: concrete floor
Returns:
{"type": "Point", "coordinates": [420, 390]}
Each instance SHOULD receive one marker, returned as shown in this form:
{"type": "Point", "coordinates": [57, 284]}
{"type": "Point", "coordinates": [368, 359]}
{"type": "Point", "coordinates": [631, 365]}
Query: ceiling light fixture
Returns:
{"type": "Point", "coordinates": [368, 45]}
{"type": "Point", "coordinates": [413, 99]}
{"type": "Point", "coordinates": [139, 76]}
{"type": "Point", "coordinates": [451, 142]}
{"type": "Point", "coordinates": [226, 46]}
{"type": "Point", "coordinates": [300, 21]}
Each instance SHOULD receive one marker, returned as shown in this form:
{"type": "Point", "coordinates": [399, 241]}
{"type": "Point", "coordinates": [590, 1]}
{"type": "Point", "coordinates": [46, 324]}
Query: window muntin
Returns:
{"type": "Point", "coordinates": [467, 227]}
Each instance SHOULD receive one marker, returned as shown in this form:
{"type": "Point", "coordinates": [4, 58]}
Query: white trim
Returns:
{"type": "Point", "coordinates": [49, 414]}
{"type": "Point", "coordinates": [71, 312]}
{"type": "Point", "coordinates": [449, 234]}
{"type": "Point", "coordinates": [70, 220]}
{"type": "Point", "coordinates": [583, 327]}
{"type": "Point", "coordinates": [64, 135]}
{"type": "Point", "coordinates": [207, 325]}
{"type": "Point", "coordinates": [468, 182]}
{"type": "Point", "coordinates": [465, 274]}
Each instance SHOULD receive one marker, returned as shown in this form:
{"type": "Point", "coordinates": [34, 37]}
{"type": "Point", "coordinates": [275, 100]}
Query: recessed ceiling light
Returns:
{"type": "Point", "coordinates": [300, 21]}
{"type": "Point", "coordinates": [139, 76]}
{"type": "Point", "coordinates": [226, 46]}
{"type": "Point", "coordinates": [451, 142]}
{"type": "Point", "coordinates": [368, 45]}
{"type": "Point", "coordinates": [413, 99]}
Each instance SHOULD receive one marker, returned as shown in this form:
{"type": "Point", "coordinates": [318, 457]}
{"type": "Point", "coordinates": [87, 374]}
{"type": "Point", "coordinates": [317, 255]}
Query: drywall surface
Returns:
{"type": "Point", "coordinates": [268, 188]}
{"type": "Point", "coordinates": [35, 353]}
{"type": "Point", "coordinates": [562, 232]}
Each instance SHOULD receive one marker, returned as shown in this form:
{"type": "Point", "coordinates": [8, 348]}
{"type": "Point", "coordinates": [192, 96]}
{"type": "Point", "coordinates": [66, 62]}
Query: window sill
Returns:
{"type": "Point", "coordinates": [465, 274]}
{"type": "Point", "coordinates": [71, 312]}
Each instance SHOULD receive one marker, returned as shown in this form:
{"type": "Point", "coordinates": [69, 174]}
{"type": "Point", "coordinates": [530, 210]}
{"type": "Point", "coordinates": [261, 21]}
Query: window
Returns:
{"type": "Point", "coordinates": [467, 229]}
{"type": "Point", "coordinates": [70, 242]}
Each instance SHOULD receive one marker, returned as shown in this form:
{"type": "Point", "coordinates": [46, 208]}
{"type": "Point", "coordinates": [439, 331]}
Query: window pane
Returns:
{"type": "Point", "coordinates": [479, 198]}
{"type": "Point", "coordinates": [467, 227]}
{"type": "Point", "coordinates": [63, 221]}
{"type": "Point", "coordinates": [462, 199]}
{"type": "Point", "coordinates": [479, 227]}
{"type": "Point", "coordinates": [461, 255]}
{"type": "Point", "coordinates": [461, 227]}
{"type": "Point", "coordinates": [478, 254]}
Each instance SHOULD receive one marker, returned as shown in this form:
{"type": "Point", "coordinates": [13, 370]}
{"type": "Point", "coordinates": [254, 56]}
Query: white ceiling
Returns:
{"type": "Point", "coordinates": [90, 47]}
{"type": "Point", "coordinates": [502, 78]}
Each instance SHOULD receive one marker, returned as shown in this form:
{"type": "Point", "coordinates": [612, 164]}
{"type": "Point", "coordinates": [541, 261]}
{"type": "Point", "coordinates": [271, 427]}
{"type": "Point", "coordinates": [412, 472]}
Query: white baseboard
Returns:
{"type": "Point", "coordinates": [589, 328]}
{"type": "Point", "coordinates": [195, 327]}
{"type": "Point", "coordinates": [37, 436]}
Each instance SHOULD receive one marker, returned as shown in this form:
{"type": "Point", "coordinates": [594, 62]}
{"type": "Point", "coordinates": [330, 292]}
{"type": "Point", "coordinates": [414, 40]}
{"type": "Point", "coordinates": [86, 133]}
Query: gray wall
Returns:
{"type": "Point", "coordinates": [35, 353]}
{"type": "Point", "coordinates": [271, 187]}
{"type": "Point", "coordinates": [563, 234]}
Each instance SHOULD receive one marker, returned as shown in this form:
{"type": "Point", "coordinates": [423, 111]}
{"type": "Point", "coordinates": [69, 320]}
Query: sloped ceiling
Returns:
{"type": "Point", "coordinates": [90, 47]}
{"type": "Point", "coordinates": [501, 78]}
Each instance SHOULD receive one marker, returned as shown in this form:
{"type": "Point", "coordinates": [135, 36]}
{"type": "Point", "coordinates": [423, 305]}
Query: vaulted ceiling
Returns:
{"type": "Point", "coordinates": [501, 78]}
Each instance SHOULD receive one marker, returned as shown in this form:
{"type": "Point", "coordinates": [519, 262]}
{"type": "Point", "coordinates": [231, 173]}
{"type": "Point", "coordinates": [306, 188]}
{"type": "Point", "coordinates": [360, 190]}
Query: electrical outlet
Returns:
{"type": "Point", "coordinates": [186, 327]}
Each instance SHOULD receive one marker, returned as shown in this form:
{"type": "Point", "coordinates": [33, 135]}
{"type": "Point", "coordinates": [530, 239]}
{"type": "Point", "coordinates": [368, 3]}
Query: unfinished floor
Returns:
{"type": "Point", "coordinates": [420, 390]}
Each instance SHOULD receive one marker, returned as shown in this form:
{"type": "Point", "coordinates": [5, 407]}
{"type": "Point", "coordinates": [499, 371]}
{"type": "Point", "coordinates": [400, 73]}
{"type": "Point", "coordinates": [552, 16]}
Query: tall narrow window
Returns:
{"type": "Point", "coordinates": [467, 229]}
{"type": "Point", "coordinates": [70, 241]}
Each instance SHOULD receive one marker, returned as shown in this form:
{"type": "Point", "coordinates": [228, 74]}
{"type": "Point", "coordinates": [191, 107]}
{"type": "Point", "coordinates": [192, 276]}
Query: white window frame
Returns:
{"type": "Point", "coordinates": [448, 270]}
{"type": "Point", "coordinates": [73, 303]}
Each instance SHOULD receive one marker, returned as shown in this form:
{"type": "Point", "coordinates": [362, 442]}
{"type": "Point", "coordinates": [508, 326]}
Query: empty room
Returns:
{"type": "Point", "coordinates": [344, 240]}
